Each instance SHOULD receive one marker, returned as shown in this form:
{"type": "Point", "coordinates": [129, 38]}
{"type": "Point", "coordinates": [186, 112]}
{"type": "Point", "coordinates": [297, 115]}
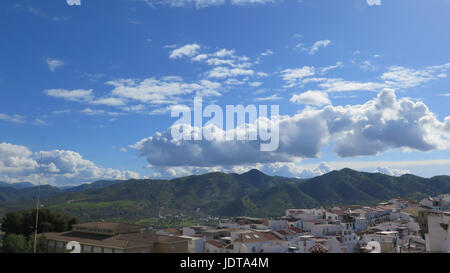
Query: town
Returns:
{"type": "Point", "coordinates": [395, 226]}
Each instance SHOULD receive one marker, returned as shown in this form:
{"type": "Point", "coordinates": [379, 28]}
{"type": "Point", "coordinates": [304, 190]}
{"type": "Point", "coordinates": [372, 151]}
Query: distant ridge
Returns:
{"type": "Point", "coordinates": [221, 194]}
{"type": "Point", "coordinates": [19, 185]}
{"type": "Point", "coordinates": [94, 185]}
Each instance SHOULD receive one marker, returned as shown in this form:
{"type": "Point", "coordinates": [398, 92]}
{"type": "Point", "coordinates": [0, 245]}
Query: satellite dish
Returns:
{"type": "Point", "coordinates": [374, 247]}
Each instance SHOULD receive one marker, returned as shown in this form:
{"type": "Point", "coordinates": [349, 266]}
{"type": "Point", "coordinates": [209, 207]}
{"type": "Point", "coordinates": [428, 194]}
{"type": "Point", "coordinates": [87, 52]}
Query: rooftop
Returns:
{"type": "Point", "coordinates": [121, 241]}
{"type": "Point", "coordinates": [256, 237]}
{"type": "Point", "coordinates": [109, 228]}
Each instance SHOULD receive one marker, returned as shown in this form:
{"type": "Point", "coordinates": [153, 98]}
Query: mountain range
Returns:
{"type": "Point", "coordinates": [220, 194]}
{"type": "Point", "coordinates": [20, 185]}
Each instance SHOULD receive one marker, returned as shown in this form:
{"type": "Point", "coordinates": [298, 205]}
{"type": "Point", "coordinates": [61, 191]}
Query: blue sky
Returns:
{"type": "Point", "coordinates": [360, 84]}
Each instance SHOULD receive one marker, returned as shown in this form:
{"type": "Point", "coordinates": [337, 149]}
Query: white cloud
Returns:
{"type": "Point", "coordinates": [73, 2]}
{"type": "Point", "coordinates": [300, 47]}
{"type": "Point", "coordinates": [109, 101]}
{"type": "Point", "coordinates": [71, 95]}
{"type": "Point", "coordinates": [301, 170]}
{"type": "Point", "coordinates": [19, 164]}
{"type": "Point", "coordinates": [164, 91]}
{"type": "Point", "coordinates": [247, 2]}
{"type": "Point", "coordinates": [99, 112]}
{"type": "Point", "coordinates": [189, 50]}
{"type": "Point", "coordinates": [267, 53]}
{"type": "Point", "coordinates": [15, 161]}
{"type": "Point", "coordinates": [392, 172]}
{"type": "Point", "coordinates": [200, 57]}
{"type": "Point", "coordinates": [378, 125]}
{"type": "Point", "coordinates": [221, 72]}
{"type": "Point", "coordinates": [38, 121]}
{"type": "Point", "coordinates": [373, 2]}
{"type": "Point", "coordinates": [206, 3]}
{"type": "Point", "coordinates": [40, 13]}
{"type": "Point", "coordinates": [269, 98]}
{"type": "Point", "coordinates": [293, 76]}
{"type": "Point", "coordinates": [227, 66]}
{"type": "Point", "coordinates": [311, 97]}
{"type": "Point", "coordinates": [397, 77]}
{"type": "Point", "coordinates": [367, 65]}
{"type": "Point", "coordinates": [92, 112]}
{"type": "Point", "coordinates": [403, 77]}
{"type": "Point", "coordinates": [303, 75]}
{"type": "Point", "coordinates": [321, 169]}
{"type": "Point", "coordinates": [340, 85]}
{"type": "Point", "coordinates": [54, 64]}
{"type": "Point", "coordinates": [317, 45]}
{"type": "Point", "coordinates": [127, 92]}
{"type": "Point", "coordinates": [324, 70]}
{"type": "Point", "coordinates": [255, 84]}
{"type": "Point", "coordinates": [59, 112]}
{"type": "Point", "coordinates": [289, 169]}
{"type": "Point", "coordinates": [14, 118]}
{"type": "Point", "coordinates": [224, 53]}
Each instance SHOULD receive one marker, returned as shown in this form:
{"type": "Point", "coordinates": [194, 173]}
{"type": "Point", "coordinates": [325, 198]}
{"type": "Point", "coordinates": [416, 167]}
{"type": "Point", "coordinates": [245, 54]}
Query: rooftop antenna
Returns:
{"type": "Point", "coordinates": [38, 198]}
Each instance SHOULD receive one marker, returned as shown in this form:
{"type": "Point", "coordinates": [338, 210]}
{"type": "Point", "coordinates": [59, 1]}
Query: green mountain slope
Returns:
{"type": "Point", "coordinates": [20, 185]}
{"type": "Point", "coordinates": [253, 194]}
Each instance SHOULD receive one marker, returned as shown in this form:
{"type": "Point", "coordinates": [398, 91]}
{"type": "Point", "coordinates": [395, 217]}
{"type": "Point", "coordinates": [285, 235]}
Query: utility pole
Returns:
{"type": "Point", "coordinates": [38, 200]}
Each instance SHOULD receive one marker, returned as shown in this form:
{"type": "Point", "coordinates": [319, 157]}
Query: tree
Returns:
{"type": "Point", "coordinates": [16, 243]}
{"type": "Point", "coordinates": [23, 222]}
{"type": "Point", "coordinates": [16, 223]}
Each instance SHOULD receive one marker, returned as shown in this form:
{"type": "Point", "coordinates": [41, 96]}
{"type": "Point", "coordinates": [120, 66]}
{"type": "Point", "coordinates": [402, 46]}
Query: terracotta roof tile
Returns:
{"type": "Point", "coordinates": [318, 248]}
{"type": "Point", "coordinates": [121, 241]}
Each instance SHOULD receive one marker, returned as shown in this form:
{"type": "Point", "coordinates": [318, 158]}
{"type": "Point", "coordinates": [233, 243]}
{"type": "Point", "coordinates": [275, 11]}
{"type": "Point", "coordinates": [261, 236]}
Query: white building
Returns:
{"type": "Point", "coordinates": [326, 230]}
{"type": "Point", "coordinates": [257, 242]}
{"type": "Point", "coordinates": [195, 244]}
{"type": "Point", "coordinates": [277, 224]}
{"type": "Point", "coordinates": [431, 203]}
{"type": "Point", "coordinates": [308, 225]}
{"type": "Point", "coordinates": [438, 203]}
{"type": "Point", "coordinates": [305, 214]}
{"type": "Point", "coordinates": [304, 243]}
{"type": "Point", "coordinates": [437, 238]}
{"type": "Point", "coordinates": [389, 240]}
{"type": "Point", "coordinates": [399, 202]}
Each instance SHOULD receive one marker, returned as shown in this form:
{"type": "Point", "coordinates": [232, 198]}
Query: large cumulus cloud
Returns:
{"type": "Point", "coordinates": [383, 123]}
{"type": "Point", "coordinates": [59, 167]}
